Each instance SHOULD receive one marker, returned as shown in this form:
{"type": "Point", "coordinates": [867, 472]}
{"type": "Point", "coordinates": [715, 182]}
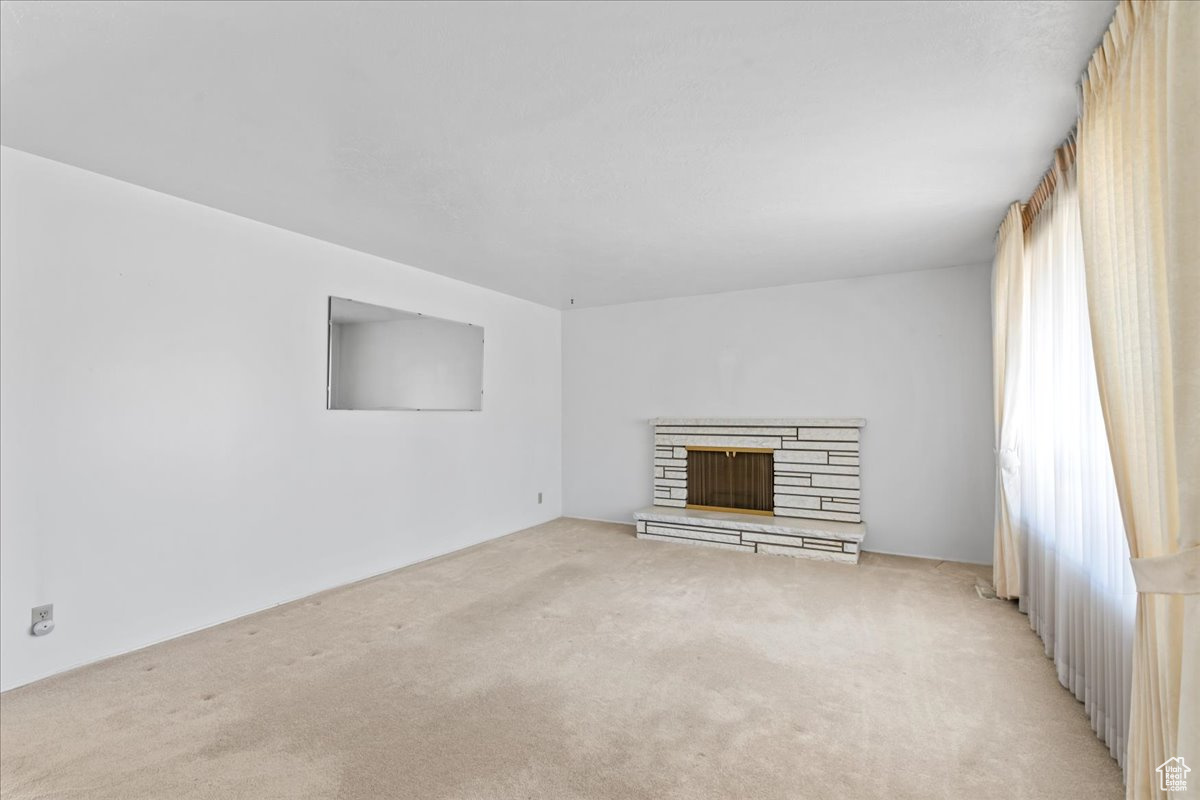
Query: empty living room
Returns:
{"type": "Point", "coordinates": [600, 400]}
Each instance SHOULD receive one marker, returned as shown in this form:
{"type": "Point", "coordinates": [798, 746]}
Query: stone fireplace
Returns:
{"type": "Point", "coordinates": [778, 486]}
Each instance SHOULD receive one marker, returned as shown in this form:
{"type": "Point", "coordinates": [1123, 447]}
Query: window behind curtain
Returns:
{"type": "Point", "coordinates": [1078, 589]}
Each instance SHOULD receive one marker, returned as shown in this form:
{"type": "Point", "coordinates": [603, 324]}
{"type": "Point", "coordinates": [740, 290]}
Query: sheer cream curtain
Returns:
{"type": "Point", "coordinates": [1077, 587]}
{"type": "Point", "coordinates": [1139, 185]}
{"type": "Point", "coordinates": [1008, 293]}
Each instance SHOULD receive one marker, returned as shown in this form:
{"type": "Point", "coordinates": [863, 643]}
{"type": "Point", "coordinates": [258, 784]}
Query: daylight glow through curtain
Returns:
{"type": "Point", "coordinates": [1077, 585]}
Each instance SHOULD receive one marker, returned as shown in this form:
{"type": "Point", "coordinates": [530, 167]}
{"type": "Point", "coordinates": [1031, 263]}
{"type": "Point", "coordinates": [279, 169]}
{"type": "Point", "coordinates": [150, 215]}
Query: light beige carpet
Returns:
{"type": "Point", "coordinates": [573, 661]}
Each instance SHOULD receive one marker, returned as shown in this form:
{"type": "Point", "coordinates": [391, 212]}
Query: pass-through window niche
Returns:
{"type": "Point", "coordinates": [385, 359]}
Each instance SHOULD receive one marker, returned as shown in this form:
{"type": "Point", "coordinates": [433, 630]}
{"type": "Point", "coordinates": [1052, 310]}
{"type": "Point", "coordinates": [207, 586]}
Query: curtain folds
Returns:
{"type": "Point", "coordinates": [1008, 293]}
{"type": "Point", "coordinates": [1139, 184]}
{"type": "Point", "coordinates": [1077, 586]}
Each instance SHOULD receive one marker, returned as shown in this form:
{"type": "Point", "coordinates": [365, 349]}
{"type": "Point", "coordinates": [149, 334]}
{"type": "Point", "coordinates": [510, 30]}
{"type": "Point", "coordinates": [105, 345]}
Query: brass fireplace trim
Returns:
{"type": "Point", "coordinates": [732, 510]}
{"type": "Point", "coordinates": [732, 452]}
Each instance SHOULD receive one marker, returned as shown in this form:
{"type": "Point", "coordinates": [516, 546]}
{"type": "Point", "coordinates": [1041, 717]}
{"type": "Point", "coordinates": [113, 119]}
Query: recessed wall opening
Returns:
{"type": "Point", "coordinates": [731, 479]}
{"type": "Point", "coordinates": [385, 359]}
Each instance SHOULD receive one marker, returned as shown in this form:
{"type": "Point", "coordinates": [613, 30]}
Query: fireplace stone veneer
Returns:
{"type": "Point", "coordinates": [817, 492]}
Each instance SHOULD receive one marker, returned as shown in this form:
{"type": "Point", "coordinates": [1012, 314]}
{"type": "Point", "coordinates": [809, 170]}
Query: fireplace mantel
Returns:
{"type": "Point", "coordinates": [756, 422]}
{"type": "Point", "coordinates": [816, 486]}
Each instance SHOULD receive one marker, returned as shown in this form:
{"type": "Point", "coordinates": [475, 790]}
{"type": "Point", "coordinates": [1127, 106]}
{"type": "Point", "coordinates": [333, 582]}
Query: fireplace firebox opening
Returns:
{"type": "Point", "coordinates": [737, 479]}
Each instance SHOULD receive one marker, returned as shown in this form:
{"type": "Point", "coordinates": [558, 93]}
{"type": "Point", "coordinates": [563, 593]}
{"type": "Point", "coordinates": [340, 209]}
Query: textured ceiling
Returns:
{"type": "Point", "coordinates": [606, 152]}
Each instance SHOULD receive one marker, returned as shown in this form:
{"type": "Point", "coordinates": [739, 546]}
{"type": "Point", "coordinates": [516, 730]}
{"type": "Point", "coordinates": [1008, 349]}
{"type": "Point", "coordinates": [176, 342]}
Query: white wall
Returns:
{"type": "Point", "coordinates": [909, 352]}
{"type": "Point", "coordinates": [167, 459]}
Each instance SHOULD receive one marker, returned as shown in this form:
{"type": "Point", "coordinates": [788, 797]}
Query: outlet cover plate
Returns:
{"type": "Point", "coordinates": [42, 613]}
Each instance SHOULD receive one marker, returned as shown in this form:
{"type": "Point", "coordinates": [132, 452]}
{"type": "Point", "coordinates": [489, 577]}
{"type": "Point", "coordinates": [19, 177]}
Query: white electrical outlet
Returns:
{"type": "Point", "coordinates": [42, 620]}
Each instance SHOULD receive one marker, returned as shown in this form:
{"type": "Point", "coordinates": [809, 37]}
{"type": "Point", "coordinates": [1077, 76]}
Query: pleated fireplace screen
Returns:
{"type": "Point", "coordinates": [731, 480]}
